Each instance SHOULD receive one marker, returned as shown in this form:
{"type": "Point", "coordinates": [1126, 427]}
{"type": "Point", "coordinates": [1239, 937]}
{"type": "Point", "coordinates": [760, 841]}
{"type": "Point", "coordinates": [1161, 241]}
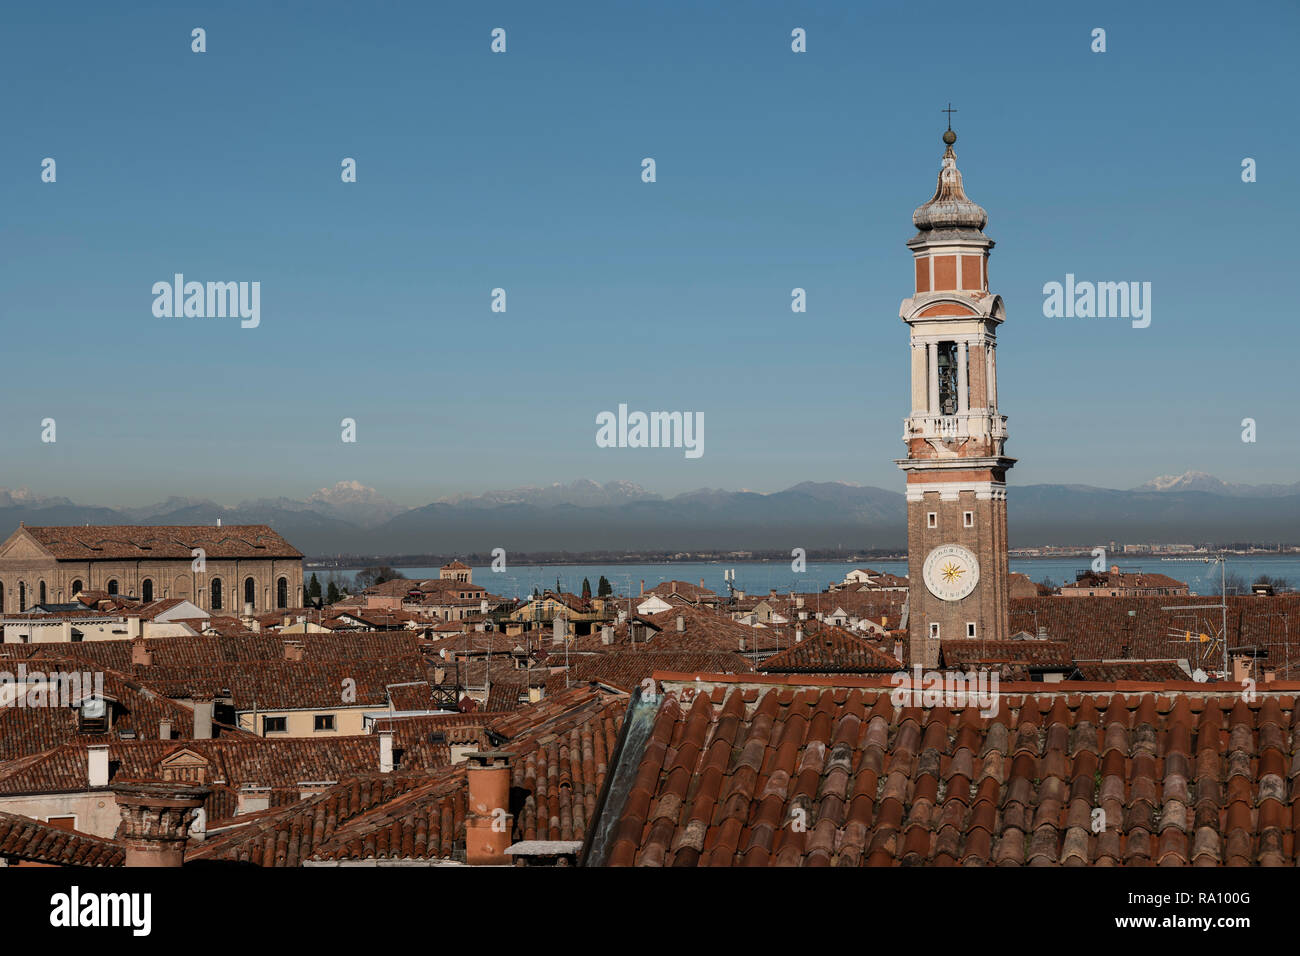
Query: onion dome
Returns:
{"type": "Point", "coordinates": [949, 208]}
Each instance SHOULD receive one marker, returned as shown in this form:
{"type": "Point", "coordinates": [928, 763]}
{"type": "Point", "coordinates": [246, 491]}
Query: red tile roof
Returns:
{"type": "Point", "coordinates": [627, 668]}
{"type": "Point", "coordinates": [827, 649]}
{"type": "Point", "coordinates": [1168, 670]}
{"type": "Point", "coordinates": [1033, 654]}
{"type": "Point", "coordinates": [145, 542]}
{"type": "Point", "coordinates": [290, 685]}
{"type": "Point", "coordinates": [752, 772]}
{"type": "Point", "coordinates": [22, 838]}
{"type": "Point", "coordinates": [216, 648]}
{"type": "Point", "coordinates": [280, 764]}
{"type": "Point", "coordinates": [1103, 628]}
{"type": "Point", "coordinates": [562, 747]}
{"type": "Point", "coordinates": [138, 709]}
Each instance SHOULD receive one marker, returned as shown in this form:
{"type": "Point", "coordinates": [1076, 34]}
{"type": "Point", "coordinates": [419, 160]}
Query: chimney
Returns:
{"type": "Point", "coordinates": [385, 751]}
{"type": "Point", "coordinates": [164, 730]}
{"type": "Point", "coordinates": [293, 650]}
{"type": "Point", "coordinates": [133, 629]}
{"type": "Point", "coordinates": [622, 615]}
{"type": "Point", "coordinates": [140, 653]}
{"type": "Point", "coordinates": [798, 635]}
{"type": "Point", "coordinates": [607, 635]}
{"type": "Point", "coordinates": [681, 624]}
{"type": "Point", "coordinates": [252, 799]}
{"type": "Point", "coordinates": [202, 717]}
{"type": "Point", "coordinates": [557, 630]}
{"type": "Point", "coordinates": [97, 766]}
{"type": "Point", "coordinates": [798, 602]}
{"type": "Point", "coordinates": [156, 820]}
{"type": "Point", "coordinates": [488, 823]}
{"type": "Point", "coordinates": [643, 587]}
{"type": "Point", "coordinates": [439, 675]}
{"type": "Point", "coordinates": [701, 584]}
{"type": "Point", "coordinates": [742, 645]}
{"type": "Point", "coordinates": [288, 619]}
{"type": "Point", "coordinates": [248, 609]}
{"type": "Point", "coordinates": [898, 648]}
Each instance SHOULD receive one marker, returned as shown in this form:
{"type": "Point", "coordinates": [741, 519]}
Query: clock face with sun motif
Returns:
{"type": "Point", "coordinates": [951, 572]}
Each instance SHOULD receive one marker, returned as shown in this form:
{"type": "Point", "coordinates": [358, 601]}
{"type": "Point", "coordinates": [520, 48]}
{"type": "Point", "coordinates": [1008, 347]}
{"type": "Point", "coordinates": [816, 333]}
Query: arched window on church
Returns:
{"type": "Point", "coordinates": [22, 597]}
{"type": "Point", "coordinates": [112, 586]}
{"type": "Point", "coordinates": [146, 590]}
{"type": "Point", "coordinates": [76, 587]}
{"type": "Point", "coordinates": [282, 592]}
{"type": "Point", "coordinates": [948, 378]}
{"type": "Point", "coordinates": [250, 591]}
{"type": "Point", "coordinates": [216, 594]}
{"type": "Point", "coordinates": [42, 592]}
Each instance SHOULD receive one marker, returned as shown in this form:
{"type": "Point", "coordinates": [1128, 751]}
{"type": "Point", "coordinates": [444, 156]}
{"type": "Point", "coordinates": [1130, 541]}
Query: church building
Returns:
{"type": "Point", "coordinates": [220, 569]}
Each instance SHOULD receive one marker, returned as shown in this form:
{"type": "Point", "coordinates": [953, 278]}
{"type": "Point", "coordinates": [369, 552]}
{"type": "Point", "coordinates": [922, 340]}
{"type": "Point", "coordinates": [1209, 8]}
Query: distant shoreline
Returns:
{"type": "Point", "coordinates": [562, 559]}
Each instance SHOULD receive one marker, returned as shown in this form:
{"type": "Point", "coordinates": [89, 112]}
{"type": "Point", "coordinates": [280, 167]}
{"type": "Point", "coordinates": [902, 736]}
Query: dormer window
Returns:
{"type": "Point", "coordinates": [92, 716]}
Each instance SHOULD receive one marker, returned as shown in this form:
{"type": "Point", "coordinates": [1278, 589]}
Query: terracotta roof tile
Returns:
{"type": "Point", "coordinates": [755, 770]}
{"type": "Point", "coordinates": [139, 542]}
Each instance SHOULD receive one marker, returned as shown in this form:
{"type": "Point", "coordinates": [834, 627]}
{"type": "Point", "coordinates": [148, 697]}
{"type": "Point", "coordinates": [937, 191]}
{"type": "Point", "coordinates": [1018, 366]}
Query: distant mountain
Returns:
{"type": "Point", "coordinates": [350, 518]}
{"type": "Point", "coordinates": [354, 502]}
{"type": "Point", "coordinates": [582, 493]}
{"type": "Point", "coordinates": [1200, 481]}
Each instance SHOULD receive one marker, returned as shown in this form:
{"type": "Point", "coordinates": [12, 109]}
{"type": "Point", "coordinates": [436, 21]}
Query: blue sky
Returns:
{"type": "Point", "coordinates": [522, 171]}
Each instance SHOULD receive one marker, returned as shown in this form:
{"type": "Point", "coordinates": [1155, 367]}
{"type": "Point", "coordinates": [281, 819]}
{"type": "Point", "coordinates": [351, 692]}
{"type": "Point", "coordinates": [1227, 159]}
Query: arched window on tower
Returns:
{"type": "Point", "coordinates": [282, 592]}
{"type": "Point", "coordinates": [146, 590]}
{"type": "Point", "coordinates": [250, 591]}
{"type": "Point", "coordinates": [112, 586]}
{"type": "Point", "coordinates": [947, 360]}
{"type": "Point", "coordinates": [216, 594]}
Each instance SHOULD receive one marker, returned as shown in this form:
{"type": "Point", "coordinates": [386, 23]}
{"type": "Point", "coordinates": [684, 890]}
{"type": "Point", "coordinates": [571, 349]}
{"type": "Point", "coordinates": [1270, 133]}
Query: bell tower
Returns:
{"type": "Point", "coordinates": [955, 466]}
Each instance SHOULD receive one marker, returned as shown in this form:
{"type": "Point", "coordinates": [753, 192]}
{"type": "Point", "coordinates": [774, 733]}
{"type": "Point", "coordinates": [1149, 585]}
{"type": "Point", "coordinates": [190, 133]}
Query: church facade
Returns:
{"type": "Point", "coordinates": [955, 435]}
{"type": "Point", "coordinates": [223, 570]}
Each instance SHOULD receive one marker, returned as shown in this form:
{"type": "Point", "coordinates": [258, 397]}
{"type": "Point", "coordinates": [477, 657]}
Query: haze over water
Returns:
{"type": "Point", "coordinates": [759, 577]}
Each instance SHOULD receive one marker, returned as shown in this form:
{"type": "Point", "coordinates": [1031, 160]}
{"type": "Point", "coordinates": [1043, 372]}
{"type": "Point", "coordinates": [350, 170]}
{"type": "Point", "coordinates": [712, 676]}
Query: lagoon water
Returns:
{"type": "Point", "coordinates": [758, 577]}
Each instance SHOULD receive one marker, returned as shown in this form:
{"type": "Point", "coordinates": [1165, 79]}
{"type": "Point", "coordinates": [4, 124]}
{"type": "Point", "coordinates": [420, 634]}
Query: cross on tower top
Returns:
{"type": "Point", "coordinates": [949, 111]}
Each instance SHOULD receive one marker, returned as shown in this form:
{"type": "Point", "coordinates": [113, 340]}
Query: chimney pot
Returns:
{"type": "Point", "coordinates": [97, 766]}
{"type": "Point", "coordinates": [202, 718]}
{"type": "Point", "coordinates": [164, 730]}
{"type": "Point", "coordinates": [681, 624]}
{"type": "Point", "coordinates": [489, 824]}
{"type": "Point", "coordinates": [156, 820]}
{"type": "Point", "coordinates": [385, 751]}
{"type": "Point", "coordinates": [140, 653]}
